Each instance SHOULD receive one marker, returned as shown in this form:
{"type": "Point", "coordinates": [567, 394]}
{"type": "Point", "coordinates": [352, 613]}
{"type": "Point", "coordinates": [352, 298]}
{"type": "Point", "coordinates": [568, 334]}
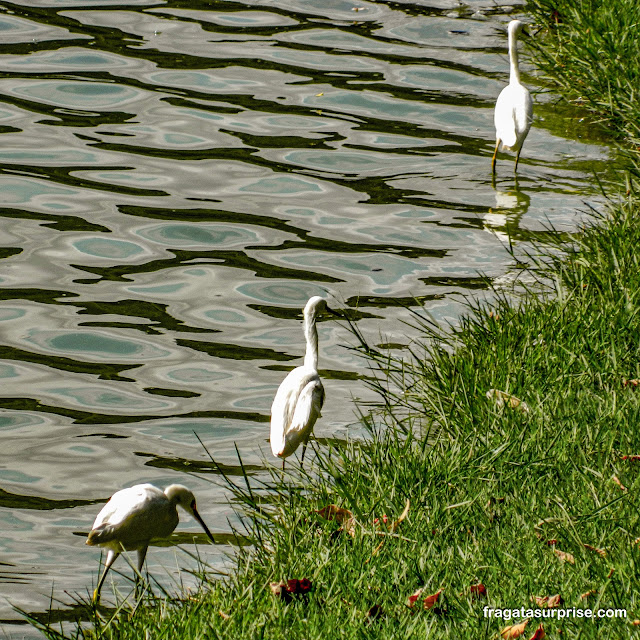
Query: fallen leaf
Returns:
{"type": "Point", "coordinates": [553, 542]}
{"type": "Point", "coordinates": [319, 94]}
{"type": "Point", "coordinates": [550, 602]}
{"type": "Point", "coordinates": [223, 615]}
{"type": "Point", "coordinates": [601, 552]}
{"type": "Point", "coordinates": [374, 613]}
{"type": "Point", "coordinates": [634, 458]}
{"type": "Point", "coordinates": [286, 590]}
{"type": "Point", "coordinates": [636, 623]}
{"type": "Point", "coordinates": [478, 590]}
{"type": "Point", "coordinates": [414, 597]}
{"type": "Point", "coordinates": [633, 382]}
{"type": "Point", "coordinates": [565, 557]}
{"type": "Point", "coordinates": [539, 633]}
{"type": "Point", "coordinates": [588, 594]}
{"type": "Point", "coordinates": [343, 516]}
{"type": "Point", "coordinates": [299, 586]}
{"type": "Point", "coordinates": [430, 601]}
{"type": "Point", "coordinates": [611, 573]}
{"type": "Point", "coordinates": [617, 481]}
{"type": "Point", "coordinates": [514, 630]}
{"type": "Point", "coordinates": [636, 541]}
{"type": "Point", "coordinates": [502, 398]}
{"type": "Point", "coordinates": [279, 589]}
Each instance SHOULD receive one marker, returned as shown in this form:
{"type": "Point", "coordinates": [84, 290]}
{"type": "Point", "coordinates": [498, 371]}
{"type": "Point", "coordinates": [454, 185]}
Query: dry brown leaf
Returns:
{"type": "Point", "coordinates": [286, 590]}
{"type": "Point", "coordinates": [224, 615]}
{"type": "Point", "coordinates": [633, 458]}
{"type": "Point", "coordinates": [374, 613]}
{"type": "Point", "coordinates": [617, 481]}
{"type": "Point", "coordinates": [343, 516]}
{"type": "Point", "coordinates": [478, 590]}
{"type": "Point", "coordinates": [514, 630]}
{"type": "Point", "coordinates": [539, 633]}
{"type": "Point", "coordinates": [430, 601]}
{"type": "Point", "coordinates": [588, 594]}
{"type": "Point", "coordinates": [502, 398]}
{"type": "Point", "coordinates": [555, 601]}
{"type": "Point", "coordinates": [634, 382]}
{"type": "Point", "coordinates": [636, 623]}
{"type": "Point", "coordinates": [611, 573]}
{"type": "Point", "coordinates": [550, 602]}
{"type": "Point", "coordinates": [414, 597]}
{"type": "Point", "coordinates": [601, 552]}
{"type": "Point", "coordinates": [564, 556]}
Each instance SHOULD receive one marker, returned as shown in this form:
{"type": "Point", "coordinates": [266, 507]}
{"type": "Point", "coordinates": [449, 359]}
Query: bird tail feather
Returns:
{"type": "Point", "coordinates": [100, 535]}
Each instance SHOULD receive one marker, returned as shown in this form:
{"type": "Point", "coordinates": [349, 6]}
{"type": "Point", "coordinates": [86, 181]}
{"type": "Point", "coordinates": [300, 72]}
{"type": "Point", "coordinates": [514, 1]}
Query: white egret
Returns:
{"type": "Point", "coordinates": [134, 516]}
{"type": "Point", "coordinates": [514, 108]}
{"type": "Point", "coordinates": [299, 398]}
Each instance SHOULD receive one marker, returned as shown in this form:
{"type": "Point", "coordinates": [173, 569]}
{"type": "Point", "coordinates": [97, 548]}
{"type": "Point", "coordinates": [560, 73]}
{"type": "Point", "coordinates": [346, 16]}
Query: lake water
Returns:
{"type": "Point", "coordinates": [177, 179]}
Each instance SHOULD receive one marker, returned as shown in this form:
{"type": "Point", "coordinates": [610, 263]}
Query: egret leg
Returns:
{"type": "Point", "coordinates": [304, 449]}
{"type": "Point", "coordinates": [283, 463]}
{"type": "Point", "coordinates": [142, 554]}
{"type": "Point", "coordinates": [515, 170]}
{"type": "Point", "coordinates": [495, 155]}
{"type": "Point", "coordinates": [111, 558]}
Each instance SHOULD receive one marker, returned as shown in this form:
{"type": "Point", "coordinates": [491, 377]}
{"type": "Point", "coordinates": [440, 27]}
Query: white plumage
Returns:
{"type": "Point", "coordinates": [134, 516]}
{"type": "Point", "coordinates": [514, 108]}
{"type": "Point", "coordinates": [299, 398]}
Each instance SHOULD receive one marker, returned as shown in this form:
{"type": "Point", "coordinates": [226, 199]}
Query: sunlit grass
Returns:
{"type": "Point", "coordinates": [589, 50]}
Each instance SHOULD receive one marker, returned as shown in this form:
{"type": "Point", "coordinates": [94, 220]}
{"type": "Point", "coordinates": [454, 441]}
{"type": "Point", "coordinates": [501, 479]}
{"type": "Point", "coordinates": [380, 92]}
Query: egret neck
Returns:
{"type": "Point", "coordinates": [514, 75]}
{"type": "Point", "coordinates": [311, 334]}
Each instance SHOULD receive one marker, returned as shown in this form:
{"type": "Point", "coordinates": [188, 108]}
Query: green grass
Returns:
{"type": "Point", "coordinates": [589, 50]}
{"type": "Point", "coordinates": [488, 487]}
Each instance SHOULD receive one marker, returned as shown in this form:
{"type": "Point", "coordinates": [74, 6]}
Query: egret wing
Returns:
{"type": "Point", "coordinates": [295, 409]}
{"type": "Point", "coordinates": [306, 412]}
{"type": "Point", "coordinates": [133, 516]}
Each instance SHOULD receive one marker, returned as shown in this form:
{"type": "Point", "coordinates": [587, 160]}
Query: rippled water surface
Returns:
{"type": "Point", "coordinates": [177, 179]}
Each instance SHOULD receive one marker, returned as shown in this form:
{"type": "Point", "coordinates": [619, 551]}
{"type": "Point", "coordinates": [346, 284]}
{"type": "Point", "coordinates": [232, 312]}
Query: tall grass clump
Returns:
{"type": "Point", "coordinates": [589, 50]}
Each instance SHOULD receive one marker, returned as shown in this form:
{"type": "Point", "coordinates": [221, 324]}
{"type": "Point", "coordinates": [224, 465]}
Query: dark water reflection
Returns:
{"type": "Point", "coordinates": [176, 180]}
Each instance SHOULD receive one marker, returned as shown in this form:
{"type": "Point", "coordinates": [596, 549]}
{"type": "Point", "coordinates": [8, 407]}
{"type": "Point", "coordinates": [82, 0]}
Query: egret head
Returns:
{"type": "Point", "coordinates": [515, 27]}
{"type": "Point", "coordinates": [180, 495]}
{"type": "Point", "coordinates": [315, 306]}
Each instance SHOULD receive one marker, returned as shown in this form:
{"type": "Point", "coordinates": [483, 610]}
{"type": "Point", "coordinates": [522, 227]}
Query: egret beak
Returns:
{"type": "Point", "coordinates": [333, 312]}
{"type": "Point", "coordinates": [196, 515]}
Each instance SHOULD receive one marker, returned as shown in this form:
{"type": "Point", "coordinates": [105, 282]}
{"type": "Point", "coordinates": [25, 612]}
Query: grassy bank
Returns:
{"type": "Point", "coordinates": [506, 501]}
